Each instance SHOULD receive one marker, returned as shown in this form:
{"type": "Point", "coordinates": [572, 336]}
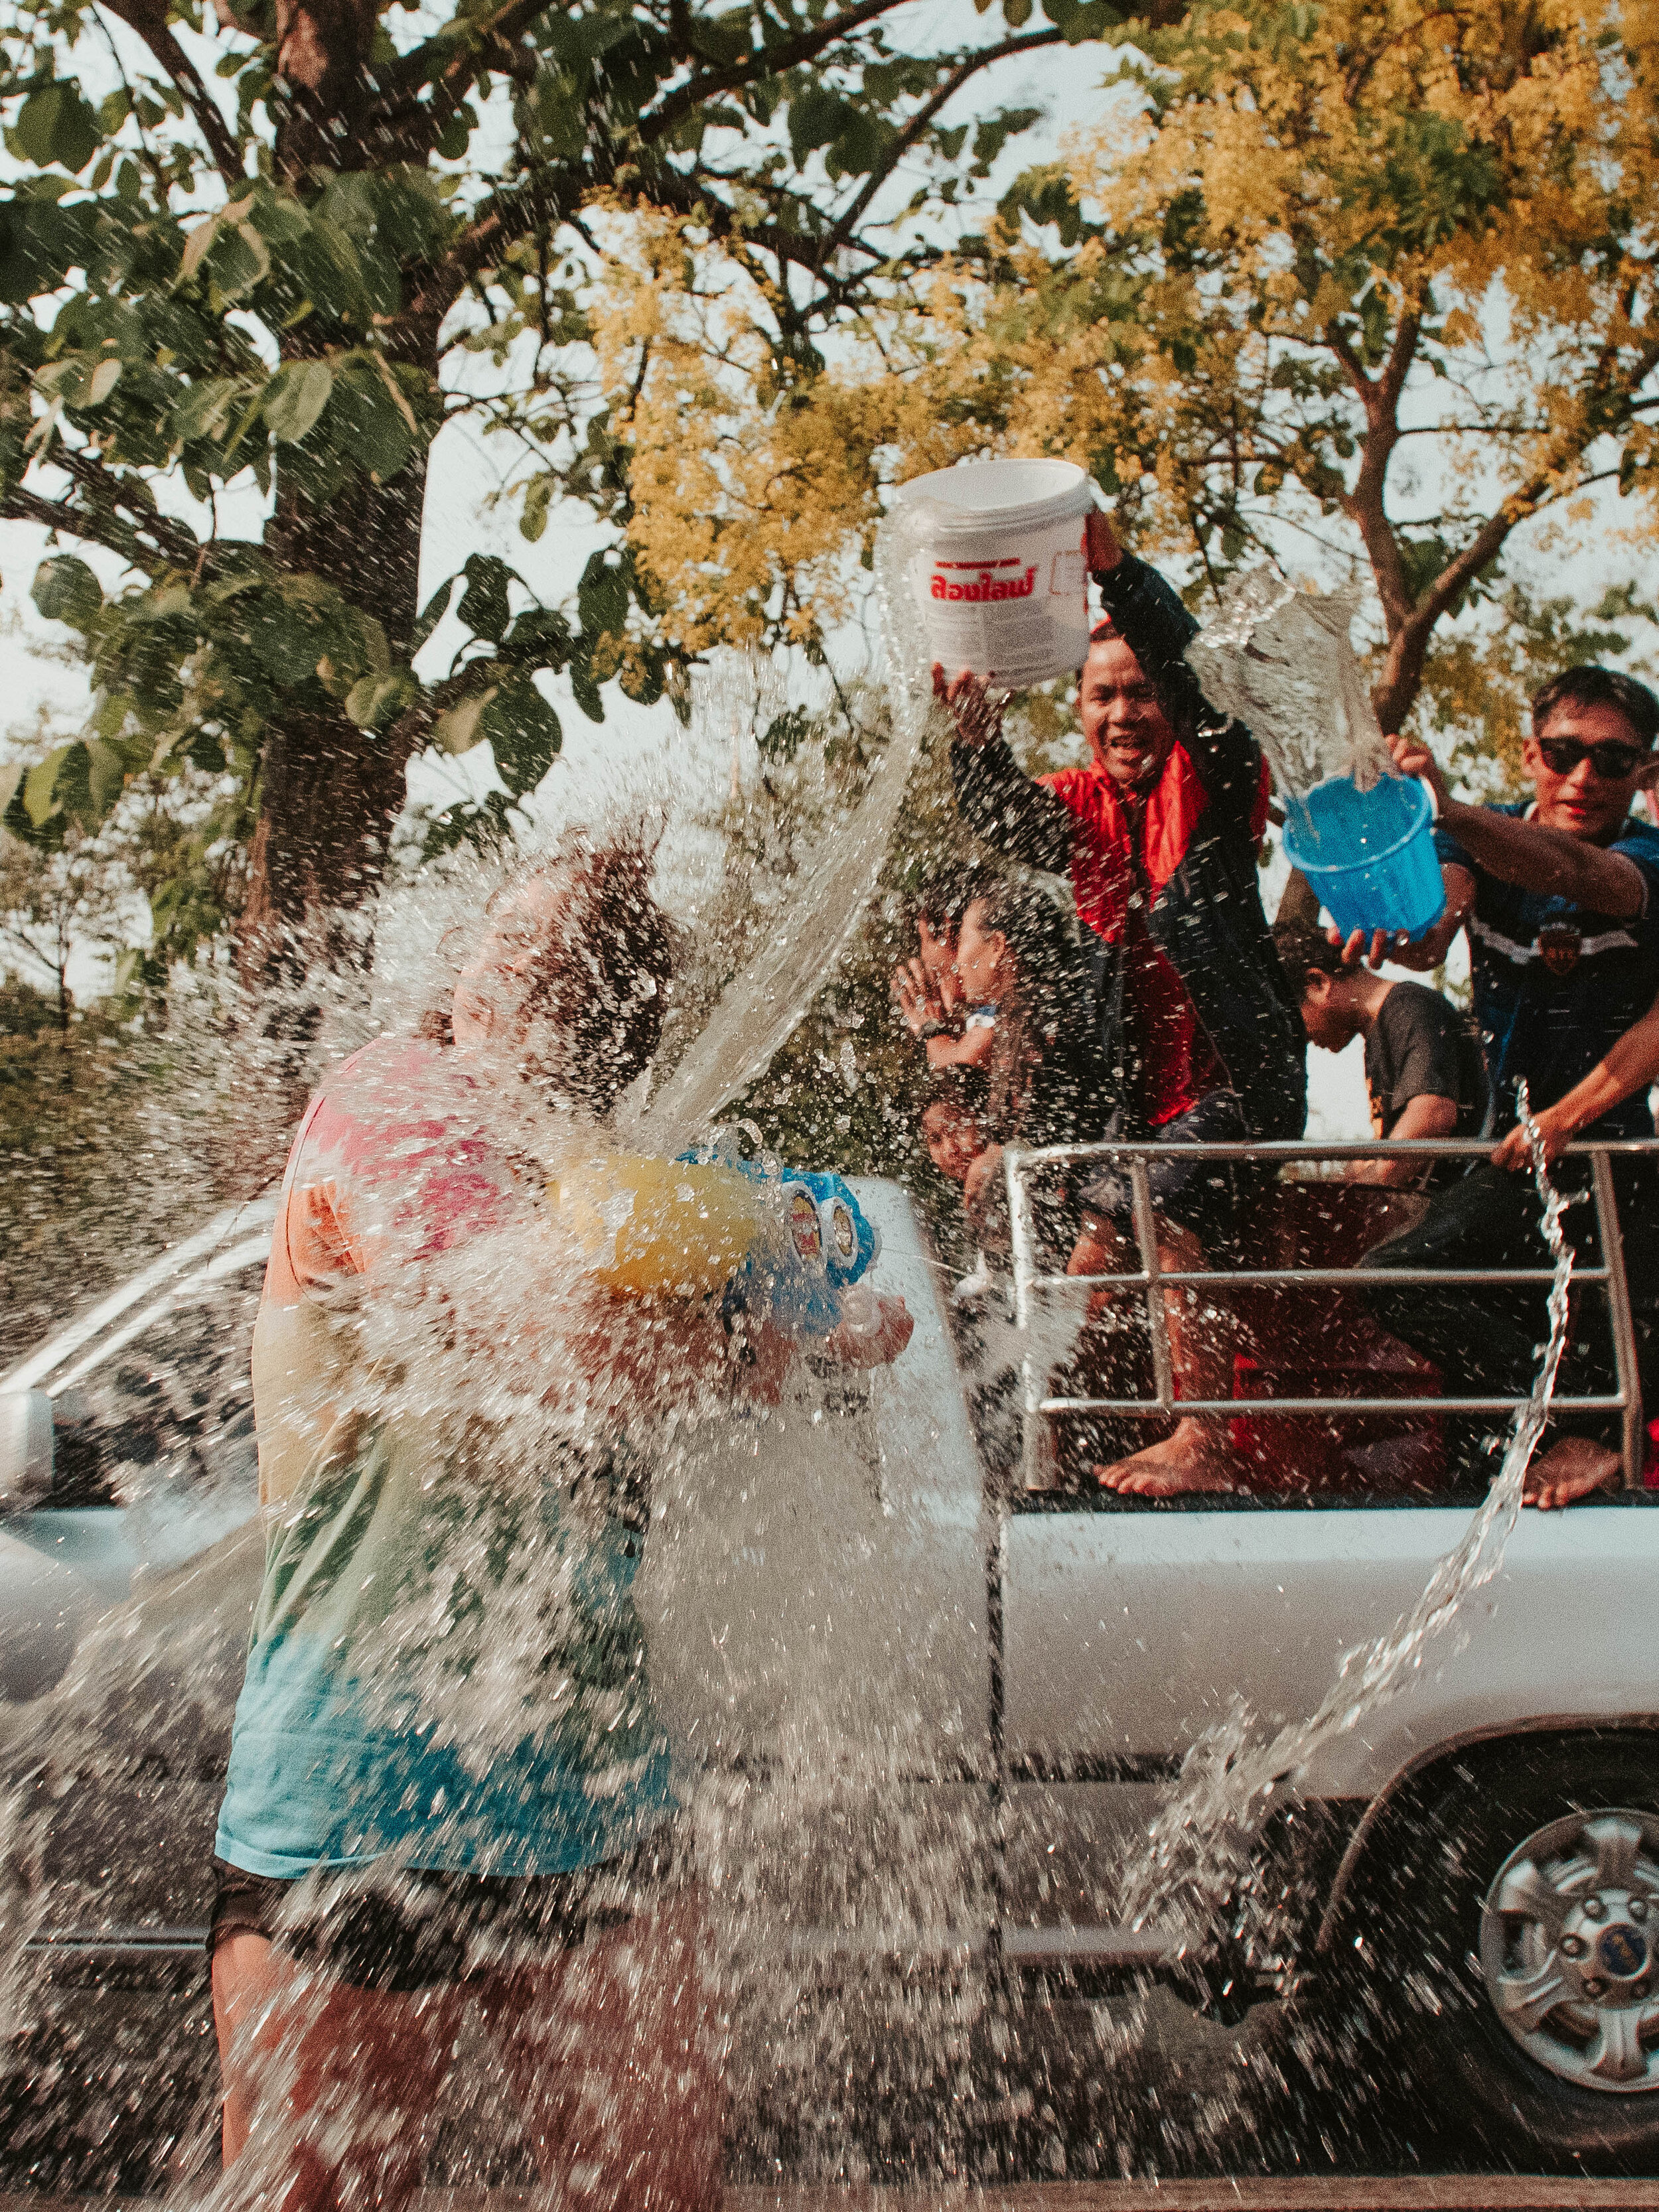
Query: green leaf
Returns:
{"type": "Point", "coordinates": [56, 124]}
{"type": "Point", "coordinates": [603, 594]}
{"type": "Point", "coordinates": [484, 607]}
{"type": "Point", "coordinates": [431, 614]}
{"type": "Point", "coordinates": [102, 381]}
{"type": "Point", "coordinates": [533, 520]}
{"type": "Point", "coordinates": [458, 732]}
{"type": "Point", "coordinates": [205, 411]}
{"type": "Point", "coordinates": [816, 118]}
{"type": "Point", "coordinates": [65, 590]}
{"type": "Point", "coordinates": [540, 637]}
{"type": "Point", "coordinates": [295, 396]}
{"type": "Point", "coordinates": [40, 785]}
{"type": "Point", "coordinates": [524, 732]}
{"type": "Point", "coordinates": [586, 692]}
{"type": "Point", "coordinates": [107, 777]}
{"type": "Point", "coordinates": [374, 701]}
{"type": "Point", "coordinates": [238, 260]}
{"type": "Point", "coordinates": [196, 242]}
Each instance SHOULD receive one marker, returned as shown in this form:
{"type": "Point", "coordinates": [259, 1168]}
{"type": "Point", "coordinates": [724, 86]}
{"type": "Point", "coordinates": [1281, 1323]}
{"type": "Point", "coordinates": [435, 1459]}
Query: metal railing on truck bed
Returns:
{"type": "Point", "coordinates": [1031, 1283]}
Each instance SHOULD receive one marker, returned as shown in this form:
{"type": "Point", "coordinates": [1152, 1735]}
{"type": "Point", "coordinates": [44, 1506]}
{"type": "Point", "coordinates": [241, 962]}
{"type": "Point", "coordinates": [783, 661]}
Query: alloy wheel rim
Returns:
{"type": "Point", "coordinates": [1570, 1948]}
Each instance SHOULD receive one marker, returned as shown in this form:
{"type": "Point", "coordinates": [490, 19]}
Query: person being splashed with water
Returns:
{"type": "Point", "coordinates": [1160, 834]}
{"type": "Point", "coordinates": [447, 1782]}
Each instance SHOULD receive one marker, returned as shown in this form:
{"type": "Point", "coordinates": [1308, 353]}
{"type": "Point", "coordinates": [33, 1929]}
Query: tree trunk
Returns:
{"type": "Point", "coordinates": [329, 792]}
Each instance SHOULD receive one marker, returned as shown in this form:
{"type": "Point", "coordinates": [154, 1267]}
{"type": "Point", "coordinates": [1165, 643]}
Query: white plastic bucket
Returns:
{"type": "Point", "coordinates": [998, 572]}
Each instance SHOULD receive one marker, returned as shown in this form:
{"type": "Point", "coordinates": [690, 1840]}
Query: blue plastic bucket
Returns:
{"type": "Point", "coordinates": [1370, 854]}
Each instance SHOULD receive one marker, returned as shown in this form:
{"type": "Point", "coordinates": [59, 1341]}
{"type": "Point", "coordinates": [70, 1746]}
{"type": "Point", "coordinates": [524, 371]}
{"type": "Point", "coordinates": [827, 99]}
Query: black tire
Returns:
{"type": "Point", "coordinates": [1410, 1989]}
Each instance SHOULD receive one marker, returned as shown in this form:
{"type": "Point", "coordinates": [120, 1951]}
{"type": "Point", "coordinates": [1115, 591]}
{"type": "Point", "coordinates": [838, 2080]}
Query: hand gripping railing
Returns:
{"type": "Point", "coordinates": [1150, 1278]}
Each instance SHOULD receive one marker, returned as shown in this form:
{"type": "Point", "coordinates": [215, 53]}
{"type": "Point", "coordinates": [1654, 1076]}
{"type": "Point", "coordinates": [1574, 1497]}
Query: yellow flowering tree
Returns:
{"type": "Point", "coordinates": [1372, 277]}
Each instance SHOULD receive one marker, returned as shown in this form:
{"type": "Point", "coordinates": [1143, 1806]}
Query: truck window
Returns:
{"type": "Point", "coordinates": [171, 1410]}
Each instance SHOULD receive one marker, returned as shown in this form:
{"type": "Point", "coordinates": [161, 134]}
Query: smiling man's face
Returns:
{"type": "Point", "coordinates": [1122, 719]}
{"type": "Point", "coordinates": [1579, 799]}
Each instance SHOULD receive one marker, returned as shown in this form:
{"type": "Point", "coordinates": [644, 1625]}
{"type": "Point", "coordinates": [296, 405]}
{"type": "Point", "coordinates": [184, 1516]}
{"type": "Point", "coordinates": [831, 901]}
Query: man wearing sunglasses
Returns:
{"type": "Point", "coordinates": [1560, 898]}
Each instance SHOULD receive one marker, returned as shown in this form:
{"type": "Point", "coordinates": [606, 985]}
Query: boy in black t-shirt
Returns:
{"type": "Point", "coordinates": [1424, 1070]}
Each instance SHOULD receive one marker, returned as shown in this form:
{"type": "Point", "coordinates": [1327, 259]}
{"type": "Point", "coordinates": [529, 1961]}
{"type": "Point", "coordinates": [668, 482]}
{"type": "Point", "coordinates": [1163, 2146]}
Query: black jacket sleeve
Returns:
{"type": "Point", "coordinates": [1158, 629]}
{"type": "Point", "coordinates": [999, 803]}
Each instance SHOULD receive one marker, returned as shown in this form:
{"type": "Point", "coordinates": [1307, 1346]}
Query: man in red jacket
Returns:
{"type": "Point", "coordinates": [1159, 834]}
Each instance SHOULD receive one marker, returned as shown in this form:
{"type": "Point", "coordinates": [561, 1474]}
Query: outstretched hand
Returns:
{"type": "Point", "coordinates": [1411, 757]}
{"type": "Point", "coordinates": [919, 1001]}
{"type": "Point", "coordinates": [1555, 1132]}
{"type": "Point", "coordinates": [874, 1338]}
{"type": "Point", "coordinates": [976, 711]}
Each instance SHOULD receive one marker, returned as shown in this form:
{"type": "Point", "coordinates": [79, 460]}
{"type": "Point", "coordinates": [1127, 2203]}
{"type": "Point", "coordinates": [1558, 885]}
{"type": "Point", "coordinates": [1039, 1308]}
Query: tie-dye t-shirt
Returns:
{"type": "Point", "coordinates": [410, 1587]}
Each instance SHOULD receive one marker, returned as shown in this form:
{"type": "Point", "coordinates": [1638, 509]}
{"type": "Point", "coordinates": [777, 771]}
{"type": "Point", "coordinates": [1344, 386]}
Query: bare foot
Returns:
{"type": "Point", "coordinates": [1196, 1457]}
{"type": "Point", "coordinates": [1572, 1468]}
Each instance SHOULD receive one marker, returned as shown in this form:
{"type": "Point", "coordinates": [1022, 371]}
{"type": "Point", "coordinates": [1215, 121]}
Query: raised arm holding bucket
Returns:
{"type": "Point", "coordinates": [1159, 834]}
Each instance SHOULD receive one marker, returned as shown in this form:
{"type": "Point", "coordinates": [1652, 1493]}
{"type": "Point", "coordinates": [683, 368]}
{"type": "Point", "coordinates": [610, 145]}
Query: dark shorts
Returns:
{"type": "Point", "coordinates": [400, 1929]}
{"type": "Point", "coordinates": [1200, 1195]}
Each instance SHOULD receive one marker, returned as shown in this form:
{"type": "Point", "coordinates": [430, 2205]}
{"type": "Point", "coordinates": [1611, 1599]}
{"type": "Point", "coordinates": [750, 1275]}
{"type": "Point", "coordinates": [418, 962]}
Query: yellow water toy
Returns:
{"type": "Point", "coordinates": [766, 1239]}
{"type": "Point", "coordinates": [661, 1228]}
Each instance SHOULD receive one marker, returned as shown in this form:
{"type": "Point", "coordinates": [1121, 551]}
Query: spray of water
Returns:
{"type": "Point", "coordinates": [771, 1549]}
{"type": "Point", "coordinates": [1196, 1867]}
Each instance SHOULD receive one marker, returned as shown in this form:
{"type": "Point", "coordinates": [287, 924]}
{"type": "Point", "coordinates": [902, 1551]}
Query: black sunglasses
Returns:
{"type": "Point", "coordinates": [1611, 761]}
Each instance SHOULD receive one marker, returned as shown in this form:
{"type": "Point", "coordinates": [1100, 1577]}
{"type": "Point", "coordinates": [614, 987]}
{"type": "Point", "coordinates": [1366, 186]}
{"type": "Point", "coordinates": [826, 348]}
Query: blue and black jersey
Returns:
{"type": "Point", "coordinates": [1556, 986]}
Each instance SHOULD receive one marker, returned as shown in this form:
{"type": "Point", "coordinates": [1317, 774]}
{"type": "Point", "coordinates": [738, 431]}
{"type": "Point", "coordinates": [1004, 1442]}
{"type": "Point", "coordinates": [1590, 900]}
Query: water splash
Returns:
{"type": "Point", "coordinates": [1196, 1868]}
{"type": "Point", "coordinates": [837, 878]}
{"type": "Point", "coordinates": [1278, 657]}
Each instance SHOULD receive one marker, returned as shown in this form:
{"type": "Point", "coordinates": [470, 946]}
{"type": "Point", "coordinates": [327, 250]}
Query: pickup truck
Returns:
{"type": "Point", "coordinates": [932, 1688]}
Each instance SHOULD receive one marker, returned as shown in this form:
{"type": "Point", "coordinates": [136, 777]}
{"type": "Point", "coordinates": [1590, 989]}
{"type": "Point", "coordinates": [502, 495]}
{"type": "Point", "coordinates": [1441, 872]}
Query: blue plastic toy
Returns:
{"type": "Point", "coordinates": [826, 1243]}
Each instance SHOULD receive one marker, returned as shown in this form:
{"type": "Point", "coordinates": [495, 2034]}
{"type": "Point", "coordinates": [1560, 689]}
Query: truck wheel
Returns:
{"type": "Point", "coordinates": [1516, 1940]}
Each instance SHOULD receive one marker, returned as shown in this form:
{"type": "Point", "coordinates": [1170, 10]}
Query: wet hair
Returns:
{"type": "Point", "coordinates": [602, 981]}
{"type": "Point", "coordinates": [1589, 684]}
{"type": "Point", "coordinates": [1300, 948]}
{"type": "Point", "coordinates": [942, 902]}
{"type": "Point", "coordinates": [1033, 925]}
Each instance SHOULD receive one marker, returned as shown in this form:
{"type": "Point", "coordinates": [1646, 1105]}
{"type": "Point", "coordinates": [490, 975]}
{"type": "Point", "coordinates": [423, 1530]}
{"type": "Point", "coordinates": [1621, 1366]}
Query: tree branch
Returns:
{"type": "Point", "coordinates": [107, 530]}
{"type": "Point", "coordinates": [919, 121]}
{"type": "Point", "coordinates": [149, 21]}
{"type": "Point", "coordinates": [759, 62]}
{"type": "Point", "coordinates": [446, 63]}
{"type": "Point", "coordinates": [512, 215]}
{"type": "Point", "coordinates": [1367, 504]}
{"type": "Point", "coordinates": [172, 540]}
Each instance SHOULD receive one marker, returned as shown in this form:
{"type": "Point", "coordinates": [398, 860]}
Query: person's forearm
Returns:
{"type": "Point", "coordinates": [1548, 861]}
{"type": "Point", "coordinates": [1428, 1114]}
{"type": "Point", "coordinates": [1633, 1065]}
{"type": "Point", "coordinates": [1000, 803]}
{"type": "Point", "coordinates": [1386, 1175]}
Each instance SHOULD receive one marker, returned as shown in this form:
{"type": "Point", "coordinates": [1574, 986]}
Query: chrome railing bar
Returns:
{"type": "Point", "coordinates": [1151, 1279]}
{"type": "Point", "coordinates": [1157, 1318]}
{"type": "Point", "coordinates": [1038, 1469]}
{"type": "Point", "coordinates": [1146, 1409]}
{"type": "Point", "coordinates": [1625, 1365]}
{"type": "Point", "coordinates": [1342, 1148]}
{"type": "Point", "coordinates": [1324, 1277]}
